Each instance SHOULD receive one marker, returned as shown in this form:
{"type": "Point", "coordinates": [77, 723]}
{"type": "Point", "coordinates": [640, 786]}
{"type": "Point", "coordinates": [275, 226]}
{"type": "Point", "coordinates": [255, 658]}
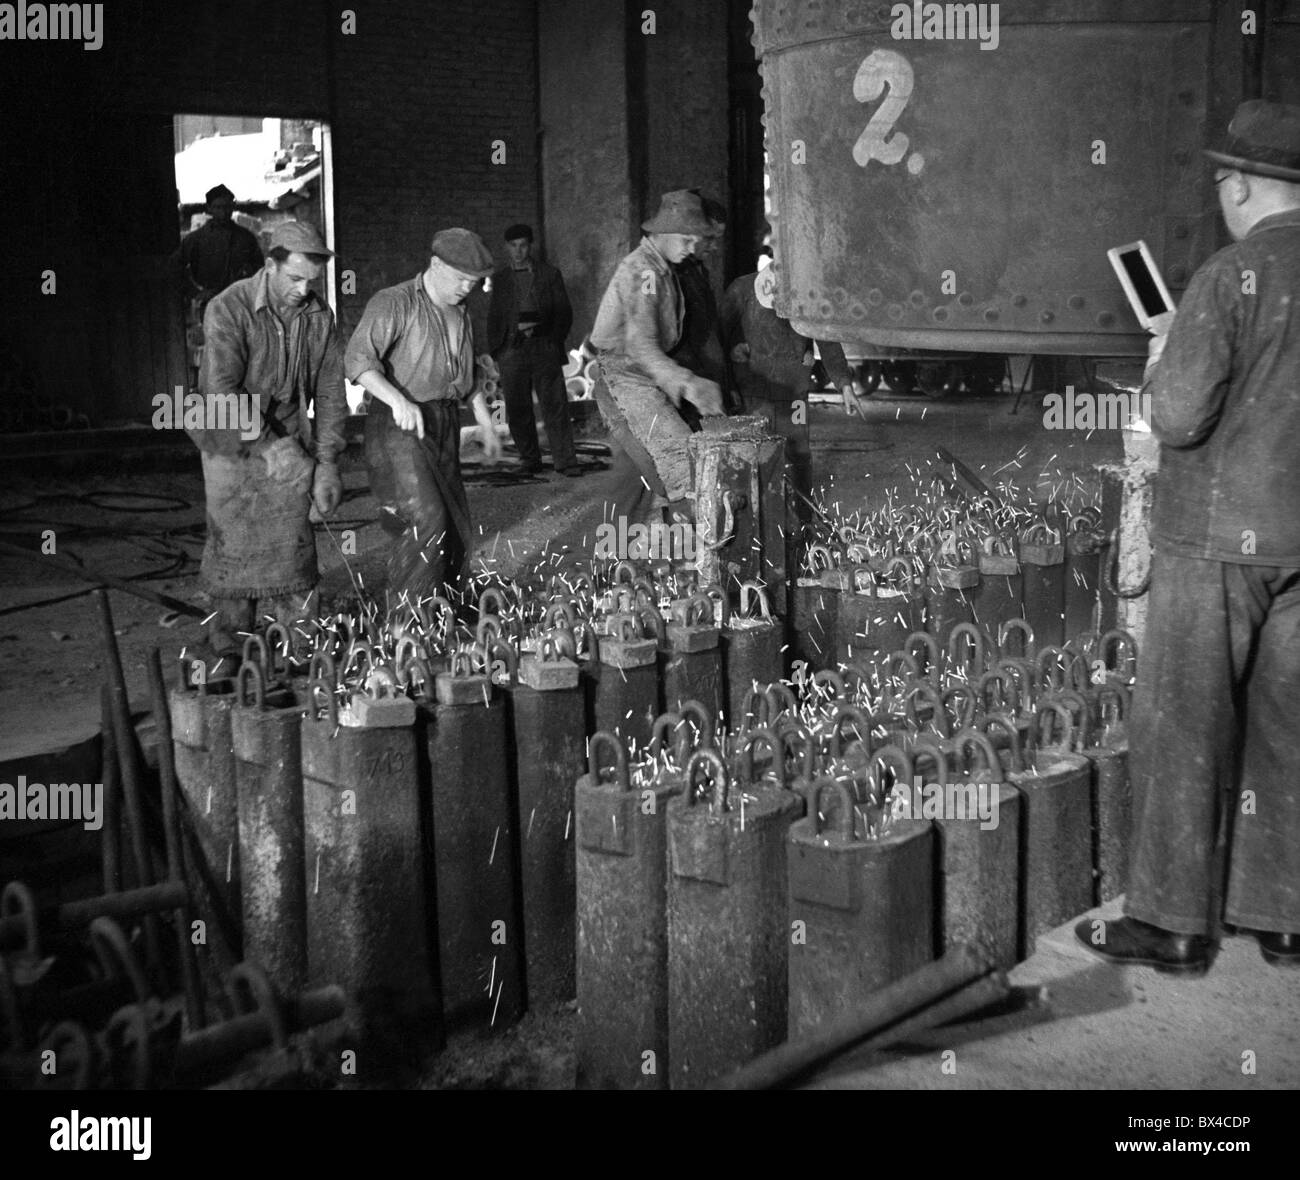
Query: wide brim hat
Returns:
{"type": "Point", "coordinates": [1263, 139]}
{"type": "Point", "coordinates": [680, 212]}
{"type": "Point", "coordinates": [463, 250]}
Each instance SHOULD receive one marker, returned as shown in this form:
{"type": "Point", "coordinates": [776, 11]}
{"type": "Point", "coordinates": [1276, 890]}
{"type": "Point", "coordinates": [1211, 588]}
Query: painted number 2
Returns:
{"type": "Point", "coordinates": [881, 69]}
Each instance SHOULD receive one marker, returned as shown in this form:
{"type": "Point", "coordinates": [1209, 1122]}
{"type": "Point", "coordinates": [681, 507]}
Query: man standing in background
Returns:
{"type": "Point", "coordinates": [771, 363]}
{"type": "Point", "coordinates": [210, 258]}
{"type": "Point", "coordinates": [529, 318]}
{"type": "Point", "coordinates": [700, 348]}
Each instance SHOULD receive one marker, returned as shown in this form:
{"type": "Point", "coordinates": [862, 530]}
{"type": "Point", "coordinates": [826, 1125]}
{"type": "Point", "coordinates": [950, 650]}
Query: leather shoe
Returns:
{"type": "Point", "coordinates": [532, 468]}
{"type": "Point", "coordinates": [1128, 941]}
{"type": "Point", "coordinates": [1281, 950]}
{"type": "Point", "coordinates": [572, 470]}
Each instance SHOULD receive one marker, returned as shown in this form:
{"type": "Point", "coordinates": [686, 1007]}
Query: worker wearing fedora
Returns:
{"type": "Point", "coordinates": [639, 322]}
{"type": "Point", "coordinates": [1212, 736]}
{"type": "Point", "coordinates": [413, 352]}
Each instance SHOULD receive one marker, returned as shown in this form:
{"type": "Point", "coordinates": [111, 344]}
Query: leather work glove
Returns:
{"type": "Point", "coordinates": [326, 488]}
{"type": "Point", "coordinates": [704, 395]}
{"type": "Point", "coordinates": [286, 461]}
{"type": "Point", "coordinates": [740, 354]}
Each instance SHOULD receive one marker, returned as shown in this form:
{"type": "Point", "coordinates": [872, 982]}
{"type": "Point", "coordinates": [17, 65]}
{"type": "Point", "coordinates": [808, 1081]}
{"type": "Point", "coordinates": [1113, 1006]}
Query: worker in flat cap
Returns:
{"type": "Point", "coordinates": [1212, 730]}
{"type": "Point", "coordinates": [272, 351]}
{"type": "Point", "coordinates": [413, 353]}
{"type": "Point", "coordinates": [528, 324]}
{"type": "Point", "coordinates": [639, 323]}
{"type": "Point", "coordinates": [212, 257]}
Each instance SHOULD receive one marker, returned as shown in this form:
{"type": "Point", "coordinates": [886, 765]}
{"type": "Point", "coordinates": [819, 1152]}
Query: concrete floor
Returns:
{"type": "Point", "coordinates": [1092, 1026]}
{"type": "Point", "coordinates": [1087, 1025]}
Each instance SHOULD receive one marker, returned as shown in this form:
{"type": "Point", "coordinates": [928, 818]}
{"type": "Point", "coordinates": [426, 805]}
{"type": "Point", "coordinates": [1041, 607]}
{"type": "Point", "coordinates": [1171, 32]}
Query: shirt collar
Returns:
{"type": "Point", "coordinates": [1275, 220]}
{"type": "Point", "coordinates": [650, 248]}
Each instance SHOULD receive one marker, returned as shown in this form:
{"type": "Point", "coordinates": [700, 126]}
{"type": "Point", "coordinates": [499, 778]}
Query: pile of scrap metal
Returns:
{"type": "Point", "coordinates": [113, 989]}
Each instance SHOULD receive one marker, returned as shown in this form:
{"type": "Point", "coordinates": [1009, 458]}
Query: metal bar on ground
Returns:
{"type": "Point", "coordinates": [964, 473]}
{"type": "Point", "coordinates": [129, 764]}
{"type": "Point", "coordinates": [900, 1000]}
{"type": "Point", "coordinates": [162, 720]}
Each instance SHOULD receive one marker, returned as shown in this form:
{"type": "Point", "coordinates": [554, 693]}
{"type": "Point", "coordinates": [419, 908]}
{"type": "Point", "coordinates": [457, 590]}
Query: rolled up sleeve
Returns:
{"type": "Point", "coordinates": [1190, 381]}
{"type": "Point", "coordinates": [373, 338]}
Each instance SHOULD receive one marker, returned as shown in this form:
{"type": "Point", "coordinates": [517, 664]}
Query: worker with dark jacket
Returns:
{"type": "Point", "coordinates": [771, 363]}
{"type": "Point", "coordinates": [210, 258]}
{"type": "Point", "coordinates": [272, 342]}
{"type": "Point", "coordinates": [1212, 734]}
{"type": "Point", "coordinates": [529, 318]}
{"type": "Point", "coordinates": [413, 352]}
{"type": "Point", "coordinates": [700, 348]}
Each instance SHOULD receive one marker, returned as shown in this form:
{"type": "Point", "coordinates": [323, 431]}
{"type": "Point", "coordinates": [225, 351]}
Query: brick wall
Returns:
{"type": "Point", "coordinates": [421, 93]}
{"type": "Point", "coordinates": [590, 213]}
{"type": "Point", "coordinates": [415, 97]}
{"type": "Point", "coordinates": [651, 115]}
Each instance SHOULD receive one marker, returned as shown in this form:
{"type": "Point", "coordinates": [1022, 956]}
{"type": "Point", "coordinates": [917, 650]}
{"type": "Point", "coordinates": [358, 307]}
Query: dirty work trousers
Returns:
{"type": "Point", "coordinates": [259, 557]}
{"type": "Point", "coordinates": [654, 422]}
{"type": "Point", "coordinates": [422, 502]}
{"type": "Point", "coordinates": [534, 363]}
{"type": "Point", "coordinates": [1213, 749]}
{"type": "Point", "coordinates": [636, 481]}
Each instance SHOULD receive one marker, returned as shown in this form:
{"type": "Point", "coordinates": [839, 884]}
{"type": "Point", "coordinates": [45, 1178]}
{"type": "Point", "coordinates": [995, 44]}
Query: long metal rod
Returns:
{"type": "Point", "coordinates": [891, 1005]}
{"type": "Point", "coordinates": [111, 836]}
{"type": "Point", "coordinates": [172, 835]}
{"type": "Point", "coordinates": [129, 903]}
{"type": "Point", "coordinates": [99, 578]}
{"type": "Point", "coordinates": [983, 993]}
{"type": "Point", "coordinates": [965, 473]}
{"type": "Point", "coordinates": [242, 1034]}
{"type": "Point", "coordinates": [129, 762]}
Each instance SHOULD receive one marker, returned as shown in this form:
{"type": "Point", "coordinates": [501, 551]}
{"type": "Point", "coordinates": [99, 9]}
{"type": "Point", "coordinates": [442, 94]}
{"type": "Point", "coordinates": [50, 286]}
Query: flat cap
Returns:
{"type": "Point", "coordinates": [217, 191]}
{"type": "Point", "coordinates": [464, 250]}
{"type": "Point", "coordinates": [519, 230]}
{"type": "Point", "coordinates": [299, 237]}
